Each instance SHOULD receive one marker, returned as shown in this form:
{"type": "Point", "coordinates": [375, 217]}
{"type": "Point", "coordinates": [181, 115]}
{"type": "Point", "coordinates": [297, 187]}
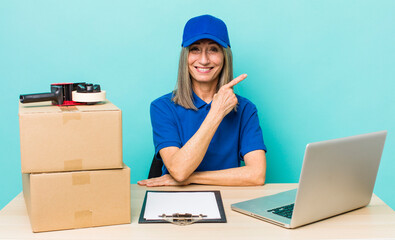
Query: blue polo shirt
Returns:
{"type": "Point", "coordinates": [238, 133]}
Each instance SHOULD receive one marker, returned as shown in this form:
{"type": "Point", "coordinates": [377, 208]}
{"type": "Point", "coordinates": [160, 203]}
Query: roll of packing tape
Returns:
{"type": "Point", "coordinates": [89, 97]}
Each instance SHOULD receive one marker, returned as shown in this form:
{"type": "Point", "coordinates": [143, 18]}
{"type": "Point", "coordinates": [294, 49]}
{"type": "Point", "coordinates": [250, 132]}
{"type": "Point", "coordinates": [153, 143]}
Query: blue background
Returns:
{"type": "Point", "coordinates": [317, 70]}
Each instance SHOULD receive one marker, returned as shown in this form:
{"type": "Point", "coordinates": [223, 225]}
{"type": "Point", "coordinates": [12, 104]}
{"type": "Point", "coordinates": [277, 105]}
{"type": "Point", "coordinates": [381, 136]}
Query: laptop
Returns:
{"type": "Point", "coordinates": [337, 176]}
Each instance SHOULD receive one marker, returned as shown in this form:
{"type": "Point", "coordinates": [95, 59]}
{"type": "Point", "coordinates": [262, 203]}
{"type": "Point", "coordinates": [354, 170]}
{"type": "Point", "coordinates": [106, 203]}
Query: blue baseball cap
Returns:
{"type": "Point", "coordinates": [205, 27]}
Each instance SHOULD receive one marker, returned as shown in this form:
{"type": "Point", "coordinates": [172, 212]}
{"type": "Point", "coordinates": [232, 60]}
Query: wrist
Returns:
{"type": "Point", "coordinates": [191, 179]}
{"type": "Point", "coordinates": [215, 116]}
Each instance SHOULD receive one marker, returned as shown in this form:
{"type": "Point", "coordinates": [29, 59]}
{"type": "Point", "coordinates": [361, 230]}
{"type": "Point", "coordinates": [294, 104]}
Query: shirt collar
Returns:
{"type": "Point", "coordinates": [199, 103]}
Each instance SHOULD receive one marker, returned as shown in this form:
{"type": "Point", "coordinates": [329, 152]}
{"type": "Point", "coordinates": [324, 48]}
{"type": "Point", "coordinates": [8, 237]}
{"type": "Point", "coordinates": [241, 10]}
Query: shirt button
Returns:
{"type": "Point", "coordinates": [208, 107]}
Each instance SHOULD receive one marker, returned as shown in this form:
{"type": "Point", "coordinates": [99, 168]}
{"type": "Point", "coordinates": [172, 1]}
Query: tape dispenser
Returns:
{"type": "Point", "coordinates": [68, 94]}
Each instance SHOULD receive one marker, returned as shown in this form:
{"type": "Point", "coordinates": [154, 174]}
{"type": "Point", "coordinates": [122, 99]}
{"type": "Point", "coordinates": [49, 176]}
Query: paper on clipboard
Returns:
{"type": "Point", "coordinates": [158, 203]}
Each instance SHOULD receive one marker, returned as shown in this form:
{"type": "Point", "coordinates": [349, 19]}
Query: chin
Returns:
{"type": "Point", "coordinates": [204, 80]}
{"type": "Point", "coordinates": [200, 78]}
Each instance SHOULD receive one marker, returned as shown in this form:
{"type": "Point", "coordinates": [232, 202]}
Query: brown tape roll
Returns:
{"type": "Point", "coordinates": [92, 97]}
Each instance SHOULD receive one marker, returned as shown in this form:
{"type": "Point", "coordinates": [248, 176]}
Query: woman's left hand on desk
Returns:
{"type": "Point", "coordinates": [165, 180]}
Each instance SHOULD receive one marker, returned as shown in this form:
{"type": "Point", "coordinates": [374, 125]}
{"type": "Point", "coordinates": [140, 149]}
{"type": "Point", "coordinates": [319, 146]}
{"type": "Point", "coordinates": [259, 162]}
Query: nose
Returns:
{"type": "Point", "coordinates": [204, 58]}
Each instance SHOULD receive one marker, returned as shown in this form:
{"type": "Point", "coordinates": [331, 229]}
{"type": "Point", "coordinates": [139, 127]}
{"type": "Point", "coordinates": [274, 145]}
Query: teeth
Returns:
{"type": "Point", "coordinates": [203, 69]}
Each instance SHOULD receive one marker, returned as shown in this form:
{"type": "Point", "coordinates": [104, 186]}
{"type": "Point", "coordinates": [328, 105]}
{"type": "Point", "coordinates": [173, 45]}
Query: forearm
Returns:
{"type": "Point", "coordinates": [185, 160]}
{"type": "Point", "coordinates": [252, 174]}
{"type": "Point", "coordinates": [240, 176]}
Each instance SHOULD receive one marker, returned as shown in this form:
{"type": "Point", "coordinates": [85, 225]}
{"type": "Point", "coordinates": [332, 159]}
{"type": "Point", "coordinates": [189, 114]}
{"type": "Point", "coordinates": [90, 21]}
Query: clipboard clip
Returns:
{"type": "Point", "coordinates": [182, 219]}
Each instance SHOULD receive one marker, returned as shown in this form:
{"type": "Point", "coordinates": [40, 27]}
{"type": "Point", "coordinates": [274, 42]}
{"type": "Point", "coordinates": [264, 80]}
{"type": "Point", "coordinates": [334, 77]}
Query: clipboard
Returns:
{"type": "Point", "coordinates": [207, 206]}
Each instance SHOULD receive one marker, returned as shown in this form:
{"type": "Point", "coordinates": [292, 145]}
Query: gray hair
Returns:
{"type": "Point", "coordinates": [183, 95]}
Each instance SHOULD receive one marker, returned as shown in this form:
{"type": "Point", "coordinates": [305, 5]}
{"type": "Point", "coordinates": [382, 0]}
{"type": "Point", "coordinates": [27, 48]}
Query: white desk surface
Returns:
{"type": "Point", "coordinates": [376, 221]}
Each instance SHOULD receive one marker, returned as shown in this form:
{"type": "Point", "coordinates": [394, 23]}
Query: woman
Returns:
{"type": "Point", "coordinates": [202, 131]}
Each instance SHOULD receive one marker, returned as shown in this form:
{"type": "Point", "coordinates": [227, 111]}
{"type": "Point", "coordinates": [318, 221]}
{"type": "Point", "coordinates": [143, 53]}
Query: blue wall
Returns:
{"type": "Point", "coordinates": [317, 70]}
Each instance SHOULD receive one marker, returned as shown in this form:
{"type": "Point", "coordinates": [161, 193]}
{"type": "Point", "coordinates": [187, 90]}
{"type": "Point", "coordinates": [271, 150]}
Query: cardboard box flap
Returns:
{"type": "Point", "coordinates": [47, 107]}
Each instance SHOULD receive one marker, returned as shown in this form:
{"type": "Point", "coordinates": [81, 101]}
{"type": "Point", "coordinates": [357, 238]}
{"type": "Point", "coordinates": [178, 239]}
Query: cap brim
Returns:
{"type": "Point", "coordinates": [204, 36]}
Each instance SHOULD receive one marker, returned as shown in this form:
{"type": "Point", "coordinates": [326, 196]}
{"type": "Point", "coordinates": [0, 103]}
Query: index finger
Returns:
{"type": "Point", "coordinates": [236, 80]}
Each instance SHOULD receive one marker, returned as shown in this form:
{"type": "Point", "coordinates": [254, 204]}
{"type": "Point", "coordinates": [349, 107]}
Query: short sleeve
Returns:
{"type": "Point", "coordinates": [251, 137]}
{"type": "Point", "coordinates": [164, 126]}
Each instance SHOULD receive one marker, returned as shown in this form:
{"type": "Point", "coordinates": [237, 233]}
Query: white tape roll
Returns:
{"type": "Point", "coordinates": [89, 97]}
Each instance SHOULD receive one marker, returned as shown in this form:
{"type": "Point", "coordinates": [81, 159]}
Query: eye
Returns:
{"type": "Point", "coordinates": [194, 49]}
{"type": "Point", "coordinates": [214, 49]}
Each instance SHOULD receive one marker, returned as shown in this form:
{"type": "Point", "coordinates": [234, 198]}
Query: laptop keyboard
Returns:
{"type": "Point", "coordinates": [285, 211]}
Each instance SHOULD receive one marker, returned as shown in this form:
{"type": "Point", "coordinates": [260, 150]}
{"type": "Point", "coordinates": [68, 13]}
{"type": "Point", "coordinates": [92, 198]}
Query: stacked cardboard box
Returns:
{"type": "Point", "coordinates": [72, 170]}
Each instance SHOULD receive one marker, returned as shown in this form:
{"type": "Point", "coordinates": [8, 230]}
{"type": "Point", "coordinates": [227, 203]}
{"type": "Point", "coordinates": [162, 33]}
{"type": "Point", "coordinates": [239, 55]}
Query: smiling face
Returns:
{"type": "Point", "coordinates": [205, 61]}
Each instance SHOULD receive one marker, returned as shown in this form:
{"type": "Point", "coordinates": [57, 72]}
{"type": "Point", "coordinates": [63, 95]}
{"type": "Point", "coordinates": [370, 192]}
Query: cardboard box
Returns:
{"type": "Point", "coordinates": [68, 200]}
{"type": "Point", "coordinates": [83, 137]}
